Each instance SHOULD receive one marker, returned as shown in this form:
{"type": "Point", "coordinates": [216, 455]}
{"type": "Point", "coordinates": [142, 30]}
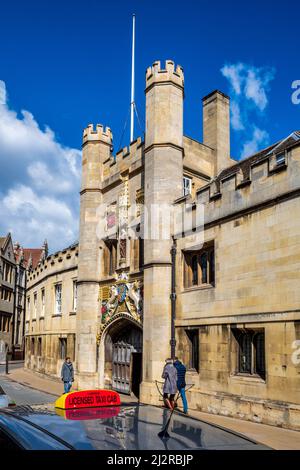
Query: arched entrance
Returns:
{"type": "Point", "coordinates": [123, 356]}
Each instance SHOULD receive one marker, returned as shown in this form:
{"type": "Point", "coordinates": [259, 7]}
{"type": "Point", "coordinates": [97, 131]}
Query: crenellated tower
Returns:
{"type": "Point", "coordinates": [96, 149]}
{"type": "Point", "coordinates": [163, 184]}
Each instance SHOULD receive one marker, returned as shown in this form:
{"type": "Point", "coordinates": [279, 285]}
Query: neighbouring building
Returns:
{"type": "Point", "coordinates": [7, 294]}
{"type": "Point", "coordinates": [27, 260]}
{"type": "Point", "coordinates": [15, 263]}
{"type": "Point", "coordinates": [50, 323]}
{"type": "Point", "coordinates": [233, 281]}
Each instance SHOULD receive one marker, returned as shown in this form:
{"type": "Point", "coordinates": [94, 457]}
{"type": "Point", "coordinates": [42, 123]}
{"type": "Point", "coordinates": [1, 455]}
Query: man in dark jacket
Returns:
{"type": "Point", "coordinates": [67, 374]}
{"type": "Point", "coordinates": [181, 371]}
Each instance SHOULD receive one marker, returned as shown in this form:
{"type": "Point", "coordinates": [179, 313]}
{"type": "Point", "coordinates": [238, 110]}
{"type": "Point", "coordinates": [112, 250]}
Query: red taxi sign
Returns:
{"type": "Point", "coordinates": [88, 399]}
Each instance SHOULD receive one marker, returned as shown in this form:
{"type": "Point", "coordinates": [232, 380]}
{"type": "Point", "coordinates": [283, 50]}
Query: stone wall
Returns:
{"type": "Point", "coordinates": [256, 233]}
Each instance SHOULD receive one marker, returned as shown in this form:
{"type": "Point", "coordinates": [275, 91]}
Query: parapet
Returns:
{"type": "Point", "coordinates": [54, 264]}
{"type": "Point", "coordinates": [156, 74]}
{"type": "Point", "coordinates": [99, 134]}
{"type": "Point", "coordinates": [262, 177]}
{"type": "Point", "coordinates": [129, 151]}
{"type": "Point", "coordinates": [127, 158]}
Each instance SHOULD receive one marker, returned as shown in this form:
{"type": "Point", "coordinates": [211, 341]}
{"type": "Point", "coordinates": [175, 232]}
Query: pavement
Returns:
{"type": "Point", "coordinates": [11, 365]}
{"type": "Point", "coordinates": [34, 380]}
{"type": "Point", "coordinates": [33, 388]}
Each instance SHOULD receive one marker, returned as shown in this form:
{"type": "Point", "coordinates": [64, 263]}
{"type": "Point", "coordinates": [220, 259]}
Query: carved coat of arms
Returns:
{"type": "Point", "coordinates": [124, 296]}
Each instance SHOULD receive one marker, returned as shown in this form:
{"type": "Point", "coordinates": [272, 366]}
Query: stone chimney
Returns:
{"type": "Point", "coordinates": [216, 127]}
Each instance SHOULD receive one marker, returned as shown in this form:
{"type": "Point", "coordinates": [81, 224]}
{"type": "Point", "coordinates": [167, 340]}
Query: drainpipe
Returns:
{"type": "Point", "coordinates": [173, 300]}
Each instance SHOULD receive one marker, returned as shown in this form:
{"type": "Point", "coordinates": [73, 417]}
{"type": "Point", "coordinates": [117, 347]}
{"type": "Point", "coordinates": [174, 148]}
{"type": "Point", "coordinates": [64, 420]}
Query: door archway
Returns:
{"type": "Point", "coordinates": [123, 356]}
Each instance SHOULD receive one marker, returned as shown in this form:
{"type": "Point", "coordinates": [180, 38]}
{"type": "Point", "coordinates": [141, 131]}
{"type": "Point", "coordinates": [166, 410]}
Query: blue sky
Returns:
{"type": "Point", "coordinates": [68, 64]}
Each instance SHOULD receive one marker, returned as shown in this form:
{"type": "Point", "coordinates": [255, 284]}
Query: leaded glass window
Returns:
{"type": "Point", "coordinates": [199, 267]}
{"type": "Point", "coordinates": [251, 351]}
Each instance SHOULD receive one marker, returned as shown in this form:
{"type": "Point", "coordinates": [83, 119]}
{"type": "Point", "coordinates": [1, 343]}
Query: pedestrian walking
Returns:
{"type": "Point", "coordinates": [181, 384]}
{"type": "Point", "coordinates": [67, 374]}
{"type": "Point", "coordinates": [170, 384]}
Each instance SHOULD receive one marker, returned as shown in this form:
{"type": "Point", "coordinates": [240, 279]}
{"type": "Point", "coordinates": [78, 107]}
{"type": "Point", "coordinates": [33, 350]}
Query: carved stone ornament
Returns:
{"type": "Point", "coordinates": [124, 298]}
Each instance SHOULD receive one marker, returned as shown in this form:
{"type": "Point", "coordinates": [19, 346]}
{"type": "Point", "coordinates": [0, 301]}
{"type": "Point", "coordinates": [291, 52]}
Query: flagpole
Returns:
{"type": "Point", "coordinates": [132, 81]}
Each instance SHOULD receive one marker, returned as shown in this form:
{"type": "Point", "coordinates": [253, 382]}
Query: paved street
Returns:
{"type": "Point", "coordinates": [20, 393]}
{"type": "Point", "coordinates": [23, 395]}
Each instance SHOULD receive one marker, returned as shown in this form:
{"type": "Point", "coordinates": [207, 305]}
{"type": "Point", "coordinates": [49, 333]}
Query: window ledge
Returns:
{"type": "Point", "coordinates": [57, 315]}
{"type": "Point", "coordinates": [41, 318]}
{"type": "Point", "coordinates": [248, 378]}
{"type": "Point", "coordinates": [73, 312]}
{"type": "Point", "coordinates": [277, 168]}
{"type": "Point", "coordinates": [33, 319]}
{"type": "Point", "coordinates": [203, 287]}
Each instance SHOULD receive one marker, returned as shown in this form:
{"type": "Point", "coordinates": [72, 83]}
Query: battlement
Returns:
{"type": "Point", "coordinates": [129, 151]}
{"type": "Point", "coordinates": [156, 74]}
{"type": "Point", "coordinates": [100, 133]}
{"type": "Point", "coordinates": [54, 263]}
{"type": "Point", "coordinates": [127, 158]}
{"type": "Point", "coordinates": [253, 182]}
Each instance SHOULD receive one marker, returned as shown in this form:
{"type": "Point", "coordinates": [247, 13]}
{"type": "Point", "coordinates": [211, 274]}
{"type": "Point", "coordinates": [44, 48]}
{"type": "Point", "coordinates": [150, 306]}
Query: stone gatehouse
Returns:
{"type": "Point", "coordinates": [236, 296]}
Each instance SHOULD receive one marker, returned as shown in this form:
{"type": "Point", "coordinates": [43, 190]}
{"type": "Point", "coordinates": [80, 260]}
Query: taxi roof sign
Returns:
{"type": "Point", "coordinates": [88, 399]}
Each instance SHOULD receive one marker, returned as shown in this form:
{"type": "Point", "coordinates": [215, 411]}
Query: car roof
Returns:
{"type": "Point", "coordinates": [130, 427]}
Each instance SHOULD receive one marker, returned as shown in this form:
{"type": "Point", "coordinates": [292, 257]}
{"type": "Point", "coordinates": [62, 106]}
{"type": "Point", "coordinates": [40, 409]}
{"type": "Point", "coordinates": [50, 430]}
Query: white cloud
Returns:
{"type": "Point", "coordinates": [2, 92]}
{"type": "Point", "coordinates": [39, 181]}
{"type": "Point", "coordinates": [249, 87]}
{"type": "Point", "coordinates": [236, 118]}
{"type": "Point", "coordinates": [233, 74]}
{"type": "Point", "coordinates": [259, 139]}
{"type": "Point", "coordinates": [32, 214]}
{"type": "Point", "coordinates": [256, 87]}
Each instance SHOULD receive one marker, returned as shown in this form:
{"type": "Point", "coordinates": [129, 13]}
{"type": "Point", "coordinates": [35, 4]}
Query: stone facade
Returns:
{"type": "Point", "coordinates": [19, 308]}
{"type": "Point", "coordinates": [7, 294]}
{"type": "Point", "coordinates": [50, 323]}
{"type": "Point", "coordinates": [15, 263]}
{"type": "Point", "coordinates": [237, 263]}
